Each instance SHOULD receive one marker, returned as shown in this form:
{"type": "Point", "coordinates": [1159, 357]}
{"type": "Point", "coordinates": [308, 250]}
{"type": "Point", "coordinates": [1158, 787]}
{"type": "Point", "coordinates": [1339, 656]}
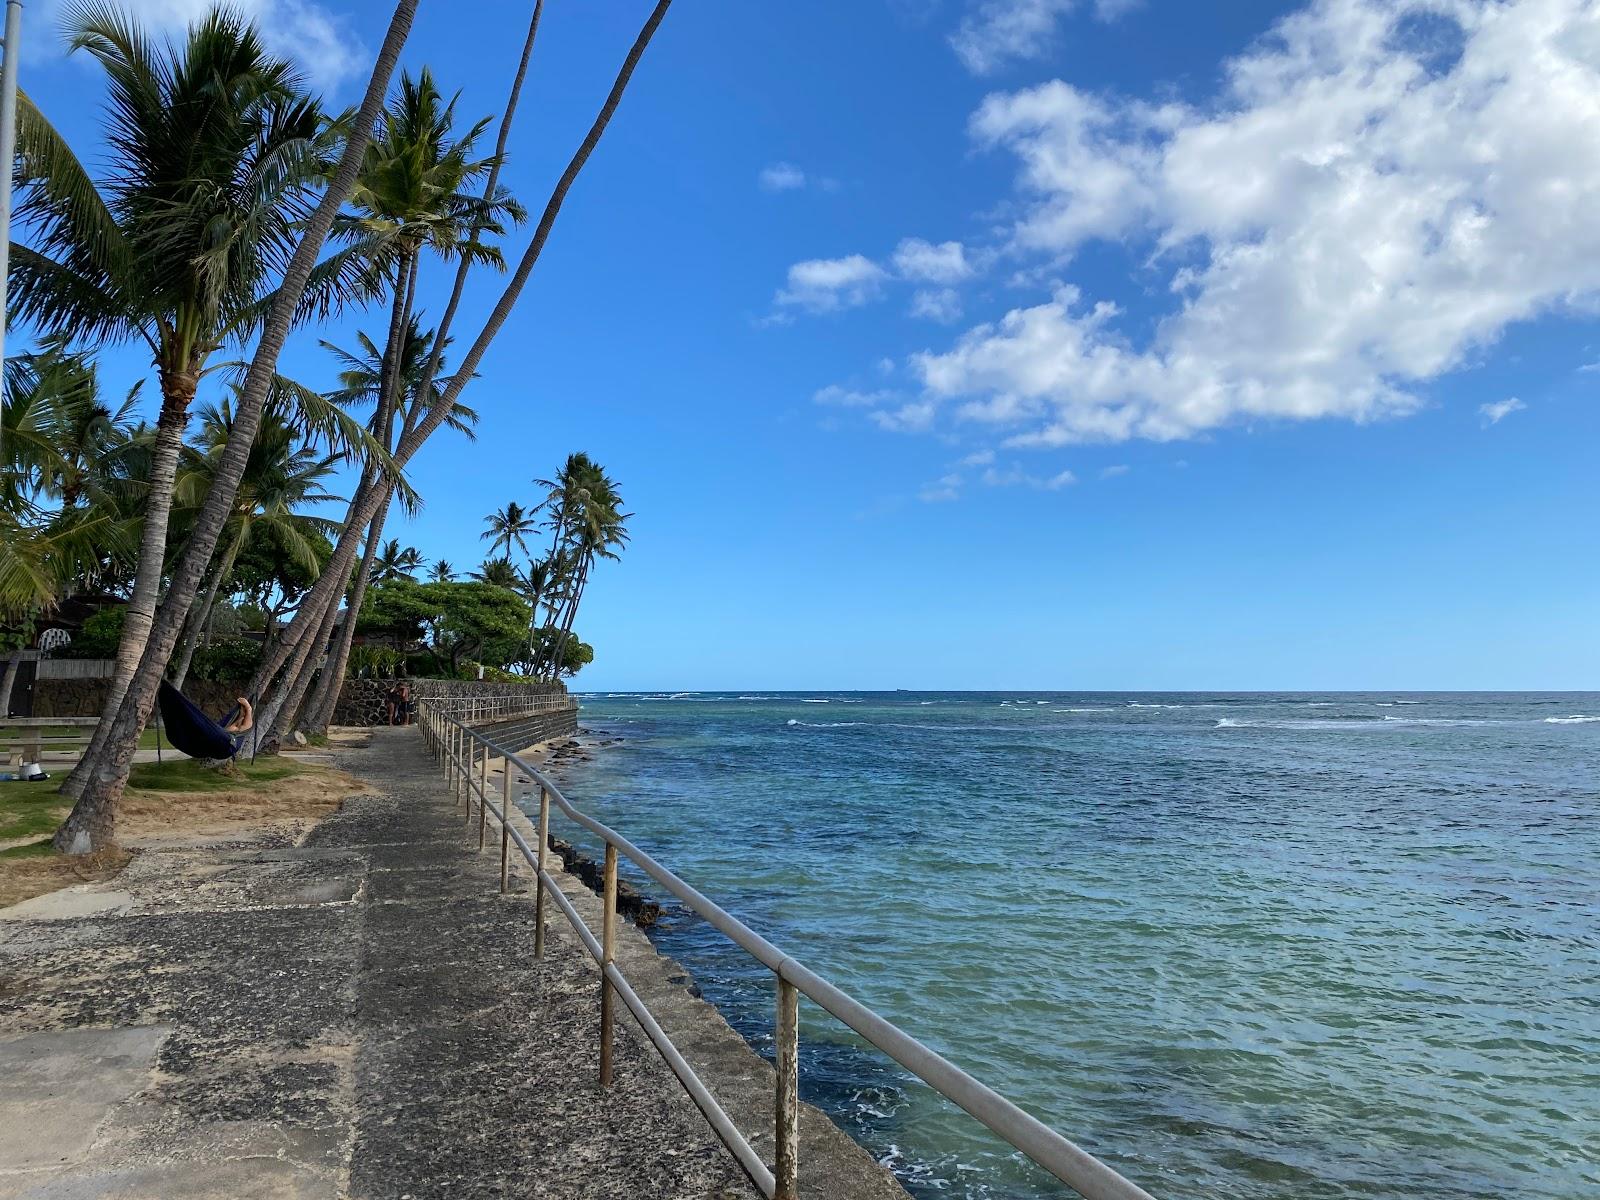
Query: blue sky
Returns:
{"type": "Point", "coordinates": [1038, 344]}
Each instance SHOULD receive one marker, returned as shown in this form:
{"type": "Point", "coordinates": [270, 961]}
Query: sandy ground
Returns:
{"type": "Point", "coordinates": [148, 820]}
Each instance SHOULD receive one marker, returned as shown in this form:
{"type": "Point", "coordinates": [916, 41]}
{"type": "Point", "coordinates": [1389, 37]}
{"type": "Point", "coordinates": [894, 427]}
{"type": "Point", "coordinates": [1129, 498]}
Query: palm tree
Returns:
{"type": "Point", "coordinates": [283, 475]}
{"type": "Point", "coordinates": [588, 523]}
{"type": "Point", "coordinates": [104, 769]}
{"type": "Point", "coordinates": [394, 562]}
{"type": "Point", "coordinates": [442, 572]}
{"type": "Point", "coordinates": [508, 528]}
{"type": "Point", "coordinates": [501, 573]}
{"type": "Point", "coordinates": [411, 440]}
{"type": "Point", "coordinates": [215, 153]}
{"type": "Point", "coordinates": [409, 197]}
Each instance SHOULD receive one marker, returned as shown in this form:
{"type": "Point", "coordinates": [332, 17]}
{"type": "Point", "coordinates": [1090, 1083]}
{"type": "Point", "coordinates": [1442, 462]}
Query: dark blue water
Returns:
{"type": "Point", "coordinates": [1251, 946]}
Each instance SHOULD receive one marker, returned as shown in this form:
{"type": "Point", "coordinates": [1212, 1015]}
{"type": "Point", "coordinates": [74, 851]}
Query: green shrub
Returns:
{"type": "Point", "coordinates": [99, 636]}
{"type": "Point", "coordinates": [227, 658]}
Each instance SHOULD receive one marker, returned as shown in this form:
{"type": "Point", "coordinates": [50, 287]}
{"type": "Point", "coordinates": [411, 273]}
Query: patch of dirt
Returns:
{"type": "Point", "coordinates": [306, 796]}
{"type": "Point", "coordinates": [24, 878]}
{"type": "Point", "coordinates": [152, 819]}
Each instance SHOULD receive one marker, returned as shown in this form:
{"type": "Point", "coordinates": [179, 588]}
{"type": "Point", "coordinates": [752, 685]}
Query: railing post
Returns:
{"type": "Point", "coordinates": [608, 947]}
{"type": "Point", "coordinates": [472, 769]}
{"type": "Point", "coordinates": [505, 827]}
{"type": "Point", "coordinates": [787, 1109]}
{"type": "Point", "coordinates": [538, 872]}
{"type": "Point", "coordinates": [483, 799]}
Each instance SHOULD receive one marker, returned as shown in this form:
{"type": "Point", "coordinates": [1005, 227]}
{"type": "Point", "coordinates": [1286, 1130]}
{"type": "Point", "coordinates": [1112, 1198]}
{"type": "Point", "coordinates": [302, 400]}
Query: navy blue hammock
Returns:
{"type": "Point", "coordinates": [190, 730]}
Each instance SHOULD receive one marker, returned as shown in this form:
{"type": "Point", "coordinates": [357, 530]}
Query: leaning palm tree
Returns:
{"type": "Point", "coordinates": [215, 152]}
{"type": "Point", "coordinates": [283, 476]}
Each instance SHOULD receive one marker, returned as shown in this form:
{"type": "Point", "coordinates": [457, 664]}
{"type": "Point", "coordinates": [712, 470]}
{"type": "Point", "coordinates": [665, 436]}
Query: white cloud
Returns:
{"type": "Point", "coordinates": [319, 42]}
{"type": "Point", "coordinates": [996, 32]}
{"type": "Point", "coordinates": [937, 304]}
{"type": "Point", "coordinates": [828, 284]}
{"type": "Point", "coordinates": [1362, 210]}
{"type": "Point", "coordinates": [1494, 413]}
{"type": "Point", "coordinates": [1015, 476]}
{"type": "Point", "coordinates": [925, 262]}
{"type": "Point", "coordinates": [781, 177]}
{"type": "Point", "coordinates": [842, 397]}
{"type": "Point", "coordinates": [1114, 470]}
{"type": "Point", "coordinates": [947, 487]}
{"type": "Point", "coordinates": [979, 458]}
{"type": "Point", "coordinates": [915, 416]}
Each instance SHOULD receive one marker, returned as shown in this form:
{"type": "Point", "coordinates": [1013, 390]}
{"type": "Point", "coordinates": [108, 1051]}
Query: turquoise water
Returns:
{"type": "Point", "coordinates": [1239, 946]}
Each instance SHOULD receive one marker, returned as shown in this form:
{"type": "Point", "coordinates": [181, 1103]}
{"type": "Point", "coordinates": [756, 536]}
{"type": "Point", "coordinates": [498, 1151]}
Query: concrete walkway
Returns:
{"type": "Point", "coordinates": [356, 1015]}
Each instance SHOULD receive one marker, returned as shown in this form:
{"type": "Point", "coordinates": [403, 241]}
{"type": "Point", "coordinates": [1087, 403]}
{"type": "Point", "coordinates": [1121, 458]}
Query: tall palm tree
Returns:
{"type": "Point", "coordinates": [215, 152]}
{"type": "Point", "coordinates": [394, 562]}
{"type": "Point", "coordinates": [442, 572]}
{"type": "Point", "coordinates": [283, 476]}
{"type": "Point", "coordinates": [508, 529]}
{"type": "Point", "coordinates": [588, 523]}
{"type": "Point", "coordinates": [411, 440]}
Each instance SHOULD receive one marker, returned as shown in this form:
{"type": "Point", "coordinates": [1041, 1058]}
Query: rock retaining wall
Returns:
{"type": "Point", "coordinates": [361, 701]}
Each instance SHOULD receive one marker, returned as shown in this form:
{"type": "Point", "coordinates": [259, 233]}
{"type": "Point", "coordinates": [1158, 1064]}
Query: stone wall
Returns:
{"type": "Point", "coordinates": [522, 732]}
{"type": "Point", "coordinates": [361, 701]}
{"type": "Point", "coordinates": [86, 697]}
{"type": "Point", "coordinates": [364, 701]}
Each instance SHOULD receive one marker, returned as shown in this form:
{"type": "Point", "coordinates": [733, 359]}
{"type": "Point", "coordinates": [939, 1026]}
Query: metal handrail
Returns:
{"type": "Point", "coordinates": [464, 752]}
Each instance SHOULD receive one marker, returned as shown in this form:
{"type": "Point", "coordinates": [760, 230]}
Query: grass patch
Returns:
{"type": "Point", "coordinates": [28, 809]}
{"type": "Point", "coordinates": [39, 849]}
{"type": "Point", "coordinates": [187, 775]}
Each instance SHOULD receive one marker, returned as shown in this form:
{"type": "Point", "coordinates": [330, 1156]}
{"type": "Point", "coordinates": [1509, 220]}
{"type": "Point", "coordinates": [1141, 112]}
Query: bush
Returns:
{"type": "Point", "coordinates": [227, 659]}
{"type": "Point", "coordinates": [377, 662]}
{"type": "Point", "coordinates": [99, 636]}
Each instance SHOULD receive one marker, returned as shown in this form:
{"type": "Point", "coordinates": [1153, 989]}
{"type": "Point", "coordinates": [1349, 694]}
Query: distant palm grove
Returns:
{"type": "Point", "coordinates": [241, 535]}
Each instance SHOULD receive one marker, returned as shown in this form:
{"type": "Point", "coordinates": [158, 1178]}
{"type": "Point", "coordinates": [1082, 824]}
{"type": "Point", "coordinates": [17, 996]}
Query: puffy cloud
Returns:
{"type": "Point", "coordinates": [915, 416]}
{"type": "Point", "coordinates": [1015, 476]}
{"type": "Point", "coordinates": [828, 284]}
{"type": "Point", "coordinates": [781, 177]}
{"type": "Point", "coordinates": [1382, 188]}
{"type": "Point", "coordinates": [937, 304]}
{"type": "Point", "coordinates": [997, 32]}
{"type": "Point", "coordinates": [925, 262]}
{"type": "Point", "coordinates": [1494, 413]}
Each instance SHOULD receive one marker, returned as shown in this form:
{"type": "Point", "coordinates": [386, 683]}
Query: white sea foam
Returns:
{"type": "Point", "coordinates": [813, 702]}
{"type": "Point", "coordinates": [1575, 719]}
{"type": "Point", "coordinates": [1102, 708]}
{"type": "Point", "coordinates": [822, 724]}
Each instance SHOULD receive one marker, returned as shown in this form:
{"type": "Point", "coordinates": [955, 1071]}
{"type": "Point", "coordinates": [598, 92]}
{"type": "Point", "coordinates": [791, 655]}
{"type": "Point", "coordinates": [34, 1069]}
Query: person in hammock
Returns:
{"type": "Point", "coordinates": [245, 719]}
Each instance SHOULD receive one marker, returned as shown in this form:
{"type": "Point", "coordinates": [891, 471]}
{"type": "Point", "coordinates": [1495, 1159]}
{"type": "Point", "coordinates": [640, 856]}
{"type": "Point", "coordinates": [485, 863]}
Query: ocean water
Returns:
{"type": "Point", "coordinates": [1239, 946]}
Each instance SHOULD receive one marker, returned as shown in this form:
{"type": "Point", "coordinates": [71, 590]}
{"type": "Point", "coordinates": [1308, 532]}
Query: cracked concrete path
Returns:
{"type": "Point", "coordinates": [356, 1014]}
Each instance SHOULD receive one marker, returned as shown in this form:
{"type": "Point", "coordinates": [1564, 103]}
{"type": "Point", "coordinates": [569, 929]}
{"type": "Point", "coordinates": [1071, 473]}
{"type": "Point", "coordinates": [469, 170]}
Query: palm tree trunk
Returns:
{"type": "Point", "coordinates": [412, 439]}
{"type": "Point", "coordinates": [282, 709]}
{"type": "Point", "coordinates": [92, 822]}
{"type": "Point", "coordinates": [560, 652]}
{"type": "Point", "coordinates": [326, 698]}
{"type": "Point", "coordinates": [200, 618]}
{"type": "Point", "coordinates": [442, 334]}
{"type": "Point", "coordinates": [139, 615]}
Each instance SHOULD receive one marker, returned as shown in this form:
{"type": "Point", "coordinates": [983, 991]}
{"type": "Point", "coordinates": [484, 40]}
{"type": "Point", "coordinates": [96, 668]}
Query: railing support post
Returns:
{"type": "Point", "coordinates": [505, 826]}
{"type": "Point", "coordinates": [538, 872]}
{"type": "Point", "coordinates": [472, 769]}
{"type": "Point", "coordinates": [608, 948]}
{"type": "Point", "coordinates": [787, 1108]}
{"type": "Point", "coordinates": [483, 799]}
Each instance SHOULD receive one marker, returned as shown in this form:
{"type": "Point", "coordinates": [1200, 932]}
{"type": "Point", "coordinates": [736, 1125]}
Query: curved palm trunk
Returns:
{"type": "Point", "coordinates": [411, 440]}
{"type": "Point", "coordinates": [200, 618]}
{"type": "Point", "coordinates": [139, 616]}
{"type": "Point", "coordinates": [92, 822]}
{"type": "Point", "coordinates": [283, 706]}
{"type": "Point", "coordinates": [319, 713]}
{"type": "Point", "coordinates": [558, 656]}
